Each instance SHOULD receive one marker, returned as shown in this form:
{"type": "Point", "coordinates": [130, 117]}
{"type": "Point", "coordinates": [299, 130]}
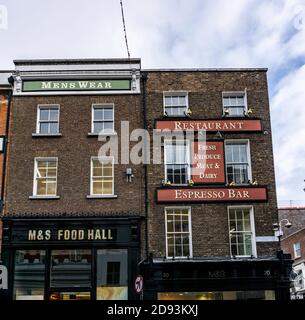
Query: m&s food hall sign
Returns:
{"type": "Point", "coordinates": [70, 234]}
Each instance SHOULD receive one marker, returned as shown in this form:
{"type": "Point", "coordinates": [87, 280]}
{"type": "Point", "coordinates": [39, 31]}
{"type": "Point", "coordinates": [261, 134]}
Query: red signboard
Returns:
{"type": "Point", "coordinates": [211, 125]}
{"type": "Point", "coordinates": [208, 162]}
{"type": "Point", "coordinates": [212, 194]}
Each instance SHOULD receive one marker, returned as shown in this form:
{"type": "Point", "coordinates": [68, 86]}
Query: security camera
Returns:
{"type": "Point", "coordinates": [288, 225]}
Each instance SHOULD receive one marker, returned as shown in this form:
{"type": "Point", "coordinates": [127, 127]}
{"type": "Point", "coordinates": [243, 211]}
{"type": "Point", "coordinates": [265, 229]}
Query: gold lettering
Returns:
{"type": "Point", "coordinates": [97, 234]}
{"type": "Point", "coordinates": [90, 234]}
{"type": "Point", "coordinates": [109, 235]}
{"type": "Point", "coordinates": [32, 235]}
{"type": "Point", "coordinates": [59, 234]}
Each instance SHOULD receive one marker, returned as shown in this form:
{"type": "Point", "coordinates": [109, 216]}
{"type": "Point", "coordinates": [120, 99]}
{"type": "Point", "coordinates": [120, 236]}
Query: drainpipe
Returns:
{"type": "Point", "coordinates": [144, 102]}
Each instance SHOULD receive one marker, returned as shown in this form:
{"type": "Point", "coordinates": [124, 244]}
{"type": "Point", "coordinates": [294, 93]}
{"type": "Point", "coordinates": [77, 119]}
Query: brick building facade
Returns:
{"type": "Point", "coordinates": [204, 258]}
{"type": "Point", "coordinates": [5, 98]}
{"type": "Point", "coordinates": [67, 214]}
{"type": "Point", "coordinates": [293, 242]}
{"type": "Point", "coordinates": [85, 226]}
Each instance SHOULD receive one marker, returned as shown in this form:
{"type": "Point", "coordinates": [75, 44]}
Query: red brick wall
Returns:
{"type": "Point", "coordinates": [287, 245]}
{"type": "Point", "coordinates": [210, 221]}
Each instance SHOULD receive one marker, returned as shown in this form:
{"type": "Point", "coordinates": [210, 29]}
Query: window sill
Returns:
{"type": "Point", "coordinates": [92, 134]}
{"type": "Point", "coordinates": [44, 197]}
{"type": "Point", "coordinates": [110, 196]}
{"type": "Point", "coordinates": [47, 135]}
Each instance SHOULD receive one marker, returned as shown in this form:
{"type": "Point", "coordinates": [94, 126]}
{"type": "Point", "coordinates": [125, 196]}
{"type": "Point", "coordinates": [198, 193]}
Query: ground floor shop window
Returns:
{"type": "Point", "coordinates": [112, 275]}
{"type": "Point", "coordinates": [29, 274]}
{"type": "Point", "coordinates": [74, 274]}
{"type": "Point", "coordinates": [218, 295]}
{"type": "Point", "coordinates": [71, 268]}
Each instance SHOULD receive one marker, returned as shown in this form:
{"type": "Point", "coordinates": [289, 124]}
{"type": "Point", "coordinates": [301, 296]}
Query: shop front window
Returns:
{"type": "Point", "coordinates": [29, 275]}
{"type": "Point", "coordinates": [112, 274]}
{"type": "Point", "coordinates": [218, 295]}
{"type": "Point", "coordinates": [71, 268]}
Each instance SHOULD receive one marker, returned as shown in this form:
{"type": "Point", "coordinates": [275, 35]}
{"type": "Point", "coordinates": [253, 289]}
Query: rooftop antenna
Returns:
{"type": "Point", "coordinates": [124, 27]}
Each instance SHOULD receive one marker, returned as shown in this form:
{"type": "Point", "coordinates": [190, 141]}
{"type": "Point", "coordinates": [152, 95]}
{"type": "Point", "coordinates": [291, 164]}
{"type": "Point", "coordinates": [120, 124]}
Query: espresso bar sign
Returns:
{"type": "Point", "coordinates": [212, 194]}
{"type": "Point", "coordinates": [210, 125]}
{"type": "Point", "coordinates": [76, 85]}
{"type": "Point", "coordinates": [208, 162]}
{"type": "Point", "coordinates": [71, 235]}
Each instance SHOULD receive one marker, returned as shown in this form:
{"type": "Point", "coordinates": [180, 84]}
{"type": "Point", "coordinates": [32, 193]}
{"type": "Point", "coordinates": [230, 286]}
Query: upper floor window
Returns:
{"type": "Point", "coordinates": [175, 104]}
{"type": "Point", "coordinates": [48, 119]}
{"type": "Point", "coordinates": [102, 179]}
{"type": "Point", "coordinates": [102, 118]}
{"type": "Point", "coordinates": [242, 234]}
{"type": "Point", "coordinates": [178, 232]}
{"type": "Point", "coordinates": [297, 249]}
{"type": "Point", "coordinates": [45, 177]}
{"type": "Point", "coordinates": [238, 162]}
{"type": "Point", "coordinates": [234, 104]}
{"type": "Point", "coordinates": [177, 162]}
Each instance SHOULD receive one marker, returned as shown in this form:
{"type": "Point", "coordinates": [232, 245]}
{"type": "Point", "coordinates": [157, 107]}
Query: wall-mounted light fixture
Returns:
{"type": "Point", "coordinates": [129, 174]}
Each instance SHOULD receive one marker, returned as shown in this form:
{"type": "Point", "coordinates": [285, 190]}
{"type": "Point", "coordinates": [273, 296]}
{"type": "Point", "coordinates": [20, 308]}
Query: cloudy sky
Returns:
{"type": "Point", "coordinates": [181, 33]}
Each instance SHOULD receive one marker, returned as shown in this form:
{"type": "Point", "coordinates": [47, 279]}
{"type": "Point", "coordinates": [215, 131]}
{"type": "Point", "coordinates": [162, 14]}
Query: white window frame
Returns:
{"type": "Point", "coordinates": [240, 141]}
{"type": "Point", "coordinates": [47, 106]}
{"type": "Point", "coordinates": [235, 93]}
{"type": "Point", "coordinates": [253, 235]}
{"type": "Point", "coordinates": [91, 176]}
{"type": "Point", "coordinates": [36, 159]}
{"type": "Point", "coordinates": [190, 231]}
{"type": "Point", "coordinates": [187, 143]}
{"type": "Point", "coordinates": [176, 94]}
{"type": "Point", "coordinates": [295, 250]}
{"type": "Point", "coordinates": [101, 106]}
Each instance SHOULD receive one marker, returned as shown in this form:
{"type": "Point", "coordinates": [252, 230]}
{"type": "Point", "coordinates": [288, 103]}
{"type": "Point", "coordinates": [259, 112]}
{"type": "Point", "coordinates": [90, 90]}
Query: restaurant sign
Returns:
{"type": "Point", "coordinates": [212, 194]}
{"type": "Point", "coordinates": [77, 85]}
{"type": "Point", "coordinates": [211, 125]}
{"type": "Point", "coordinates": [208, 162]}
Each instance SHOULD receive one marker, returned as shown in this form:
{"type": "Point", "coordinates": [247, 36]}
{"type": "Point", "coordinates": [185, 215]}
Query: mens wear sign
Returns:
{"type": "Point", "coordinates": [77, 85]}
{"type": "Point", "coordinates": [212, 194]}
{"type": "Point", "coordinates": [210, 125]}
{"type": "Point", "coordinates": [208, 162]}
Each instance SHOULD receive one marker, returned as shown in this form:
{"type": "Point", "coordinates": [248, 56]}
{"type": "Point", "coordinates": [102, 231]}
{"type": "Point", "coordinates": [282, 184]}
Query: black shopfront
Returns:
{"type": "Point", "coordinates": [71, 258]}
{"type": "Point", "coordinates": [232, 279]}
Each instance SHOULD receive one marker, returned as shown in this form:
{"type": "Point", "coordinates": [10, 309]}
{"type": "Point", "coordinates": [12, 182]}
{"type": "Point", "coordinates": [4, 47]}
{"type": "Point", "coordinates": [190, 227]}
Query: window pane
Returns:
{"type": "Point", "coordinates": [98, 114]}
{"type": "Point", "coordinates": [168, 101]}
{"type": "Point", "coordinates": [53, 127]}
{"type": "Point", "coordinates": [112, 274]}
{"type": "Point", "coordinates": [51, 188]}
{"type": "Point", "coordinates": [175, 101]}
{"type": "Point", "coordinates": [54, 114]}
{"type": "Point", "coordinates": [44, 127]}
{"type": "Point", "coordinates": [108, 126]}
{"type": "Point", "coordinates": [71, 268]}
{"type": "Point", "coordinates": [108, 114]}
{"type": "Point", "coordinates": [29, 275]}
{"type": "Point", "coordinates": [98, 126]}
{"type": "Point", "coordinates": [97, 168]}
{"type": "Point", "coordinates": [41, 187]}
{"type": "Point", "coordinates": [182, 101]}
{"type": "Point", "coordinates": [97, 187]}
{"type": "Point", "coordinates": [107, 187]}
{"type": "Point", "coordinates": [44, 114]}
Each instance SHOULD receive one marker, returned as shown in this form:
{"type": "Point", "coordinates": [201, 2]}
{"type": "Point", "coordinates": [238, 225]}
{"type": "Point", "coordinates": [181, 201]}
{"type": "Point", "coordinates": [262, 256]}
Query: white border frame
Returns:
{"type": "Point", "coordinates": [252, 222]}
{"type": "Point", "coordinates": [176, 93]}
{"type": "Point", "coordinates": [47, 106]}
{"type": "Point", "coordinates": [237, 141]}
{"type": "Point", "coordinates": [34, 179]}
{"type": "Point", "coordinates": [102, 105]}
{"type": "Point", "coordinates": [91, 175]}
{"type": "Point", "coordinates": [228, 93]}
{"type": "Point", "coordinates": [187, 142]}
{"type": "Point", "coordinates": [189, 208]}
